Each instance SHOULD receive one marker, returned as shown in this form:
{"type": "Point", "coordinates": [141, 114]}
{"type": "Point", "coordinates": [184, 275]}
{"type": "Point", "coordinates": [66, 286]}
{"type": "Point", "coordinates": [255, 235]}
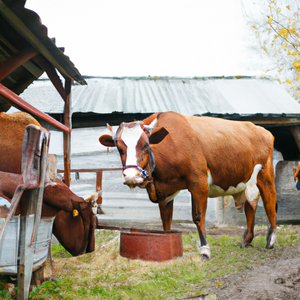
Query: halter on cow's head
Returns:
{"type": "Point", "coordinates": [133, 143]}
{"type": "Point", "coordinates": [297, 176]}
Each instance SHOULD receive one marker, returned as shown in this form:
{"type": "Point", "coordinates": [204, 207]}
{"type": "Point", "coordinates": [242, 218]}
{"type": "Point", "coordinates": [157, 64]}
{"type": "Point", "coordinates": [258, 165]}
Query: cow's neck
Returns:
{"type": "Point", "coordinates": [161, 186]}
{"type": "Point", "coordinates": [151, 190]}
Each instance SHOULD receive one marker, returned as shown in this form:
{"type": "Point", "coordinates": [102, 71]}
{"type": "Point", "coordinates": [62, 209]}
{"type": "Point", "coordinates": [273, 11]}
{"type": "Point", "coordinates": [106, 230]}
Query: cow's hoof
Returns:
{"type": "Point", "coordinates": [247, 239]}
{"type": "Point", "coordinates": [204, 257]}
{"type": "Point", "coordinates": [246, 245]}
{"type": "Point", "coordinates": [204, 252]}
{"type": "Point", "coordinates": [100, 211]}
{"type": "Point", "coordinates": [271, 238]}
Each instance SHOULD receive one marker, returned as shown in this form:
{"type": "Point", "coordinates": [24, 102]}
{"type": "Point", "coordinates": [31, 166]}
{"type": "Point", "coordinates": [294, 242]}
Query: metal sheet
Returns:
{"type": "Point", "coordinates": [9, 251]}
{"type": "Point", "coordinates": [185, 95]}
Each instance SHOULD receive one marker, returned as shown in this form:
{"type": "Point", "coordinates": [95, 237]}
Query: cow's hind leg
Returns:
{"type": "Point", "coordinates": [166, 214]}
{"type": "Point", "coordinates": [266, 185]}
{"type": "Point", "coordinates": [250, 217]}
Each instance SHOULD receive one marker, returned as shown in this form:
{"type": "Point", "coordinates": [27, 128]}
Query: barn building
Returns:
{"type": "Point", "coordinates": [112, 100]}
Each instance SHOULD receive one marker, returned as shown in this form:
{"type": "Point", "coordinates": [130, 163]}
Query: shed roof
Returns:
{"type": "Point", "coordinates": [190, 96]}
{"type": "Point", "coordinates": [21, 29]}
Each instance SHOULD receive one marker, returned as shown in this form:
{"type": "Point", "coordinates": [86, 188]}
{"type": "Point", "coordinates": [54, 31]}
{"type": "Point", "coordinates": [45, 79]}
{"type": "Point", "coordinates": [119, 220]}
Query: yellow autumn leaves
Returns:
{"type": "Point", "coordinates": [296, 65]}
{"type": "Point", "coordinates": [291, 37]}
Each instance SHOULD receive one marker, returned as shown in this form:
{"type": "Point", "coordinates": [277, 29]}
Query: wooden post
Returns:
{"type": "Point", "coordinates": [67, 137]}
{"type": "Point", "coordinates": [34, 165]}
{"type": "Point", "coordinates": [99, 186]}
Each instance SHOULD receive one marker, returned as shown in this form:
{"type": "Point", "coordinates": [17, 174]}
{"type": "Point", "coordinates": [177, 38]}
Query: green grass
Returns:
{"type": "Point", "coordinates": [104, 274]}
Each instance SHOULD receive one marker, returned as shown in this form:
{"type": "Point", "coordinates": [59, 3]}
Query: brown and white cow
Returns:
{"type": "Point", "coordinates": [209, 157]}
{"type": "Point", "coordinates": [297, 176]}
{"type": "Point", "coordinates": [75, 220]}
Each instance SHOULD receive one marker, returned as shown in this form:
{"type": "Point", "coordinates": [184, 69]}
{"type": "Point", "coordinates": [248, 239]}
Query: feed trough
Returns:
{"type": "Point", "coordinates": [10, 242]}
{"type": "Point", "coordinates": [150, 245]}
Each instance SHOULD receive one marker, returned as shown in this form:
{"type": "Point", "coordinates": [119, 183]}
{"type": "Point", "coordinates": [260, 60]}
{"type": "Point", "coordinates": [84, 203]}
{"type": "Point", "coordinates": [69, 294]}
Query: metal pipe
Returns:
{"type": "Point", "coordinates": [16, 100]}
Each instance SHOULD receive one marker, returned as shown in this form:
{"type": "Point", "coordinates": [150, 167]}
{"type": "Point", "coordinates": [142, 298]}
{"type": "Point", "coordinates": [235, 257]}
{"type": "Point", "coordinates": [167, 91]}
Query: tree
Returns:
{"type": "Point", "coordinates": [276, 24]}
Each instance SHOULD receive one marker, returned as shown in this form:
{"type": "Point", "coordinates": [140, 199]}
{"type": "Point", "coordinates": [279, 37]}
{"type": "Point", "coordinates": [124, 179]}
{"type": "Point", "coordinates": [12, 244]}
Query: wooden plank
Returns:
{"type": "Point", "coordinates": [14, 62]}
{"type": "Point", "coordinates": [90, 170]}
{"type": "Point", "coordinates": [29, 66]}
{"type": "Point", "coordinates": [67, 137]}
{"type": "Point", "coordinates": [34, 165]}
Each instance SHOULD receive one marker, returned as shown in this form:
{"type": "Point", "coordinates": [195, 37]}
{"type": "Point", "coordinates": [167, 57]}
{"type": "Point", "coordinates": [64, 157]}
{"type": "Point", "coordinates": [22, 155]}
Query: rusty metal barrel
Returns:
{"type": "Point", "coordinates": [150, 245]}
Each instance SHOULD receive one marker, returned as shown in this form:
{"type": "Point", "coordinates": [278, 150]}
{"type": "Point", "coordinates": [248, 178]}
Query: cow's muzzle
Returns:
{"type": "Point", "coordinates": [135, 176]}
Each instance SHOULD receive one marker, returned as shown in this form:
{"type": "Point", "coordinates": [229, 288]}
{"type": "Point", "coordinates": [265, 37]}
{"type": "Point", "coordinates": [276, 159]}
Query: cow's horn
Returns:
{"type": "Point", "coordinates": [93, 197]}
{"type": "Point", "coordinates": [150, 127]}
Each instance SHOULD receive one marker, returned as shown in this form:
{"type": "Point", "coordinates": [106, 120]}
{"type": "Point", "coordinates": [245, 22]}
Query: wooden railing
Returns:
{"type": "Point", "coordinates": [99, 176]}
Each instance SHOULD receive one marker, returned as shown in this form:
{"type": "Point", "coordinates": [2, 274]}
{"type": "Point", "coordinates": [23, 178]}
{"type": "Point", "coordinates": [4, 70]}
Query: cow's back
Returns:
{"type": "Point", "coordinates": [229, 149]}
{"type": "Point", "coordinates": [12, 127]}
{"type": "Point", "coordinates": [232, 148]}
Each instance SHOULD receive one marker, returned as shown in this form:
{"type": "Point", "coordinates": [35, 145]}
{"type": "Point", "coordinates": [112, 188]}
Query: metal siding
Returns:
{"type": "Point", "coordinates": [187, 96]}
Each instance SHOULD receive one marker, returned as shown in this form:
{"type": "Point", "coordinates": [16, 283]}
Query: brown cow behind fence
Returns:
{"type": "Point", "coordinates": [75, 220]}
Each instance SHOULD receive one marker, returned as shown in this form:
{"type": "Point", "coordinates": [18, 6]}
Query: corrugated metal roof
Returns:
{"type": "Point", "coordinates": [185, 95]}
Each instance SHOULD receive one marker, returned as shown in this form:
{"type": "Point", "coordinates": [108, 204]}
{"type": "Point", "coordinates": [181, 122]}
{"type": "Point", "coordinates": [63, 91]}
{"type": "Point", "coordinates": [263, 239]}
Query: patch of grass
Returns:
{"type": "Point", "coordinates": [4, 293]}
{"type": "Point", "coordinates": [104, 274]}
{"type": "Point", "coordinates": [58, 251]}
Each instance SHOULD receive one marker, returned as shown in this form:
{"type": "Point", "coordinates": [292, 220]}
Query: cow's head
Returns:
{"type": "Point", "coordinates": [133, 143]}
{"type": "Point", "coordinates": [75, 221]}
{"type": "Point", "coordinates": [297, 176]}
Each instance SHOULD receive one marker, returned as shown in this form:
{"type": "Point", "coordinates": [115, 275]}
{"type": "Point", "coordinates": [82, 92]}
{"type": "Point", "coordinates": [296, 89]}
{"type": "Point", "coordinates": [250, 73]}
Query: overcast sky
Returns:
{"type": "Point", "coordinates": [156, 38]}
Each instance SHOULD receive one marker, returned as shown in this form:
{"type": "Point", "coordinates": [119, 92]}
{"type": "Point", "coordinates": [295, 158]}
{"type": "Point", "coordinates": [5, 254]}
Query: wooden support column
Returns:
{"type": "Point", "coordinates": [67, 136]}
{"type": "Point", "coordinates": [99, 186]}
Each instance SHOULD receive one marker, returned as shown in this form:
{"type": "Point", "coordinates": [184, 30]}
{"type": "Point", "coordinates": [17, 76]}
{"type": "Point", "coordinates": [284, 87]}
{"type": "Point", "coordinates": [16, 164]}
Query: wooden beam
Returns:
{"type": "Point", "coordinates": [16, 23]}
{"type": "Point", "coordinates": [14, 62]}
{"type": "Point", "coordinates": [52, 74]}
{"type": "Point", "coordinates": [20, 103]}
{"type": "Point", "coordinates": [67, 137]}
{"type": "Point", "coordinates": [29, 66]}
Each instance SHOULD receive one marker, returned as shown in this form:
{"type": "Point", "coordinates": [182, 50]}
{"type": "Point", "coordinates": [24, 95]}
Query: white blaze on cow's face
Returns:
{"type": "Point", "coordinates": [130, 137]}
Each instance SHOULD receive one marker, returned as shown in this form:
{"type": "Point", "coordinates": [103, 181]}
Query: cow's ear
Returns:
{"type": "Point", "coordinates": [158, 135]}
{"type": "Point", "coordinates": [106, 140]}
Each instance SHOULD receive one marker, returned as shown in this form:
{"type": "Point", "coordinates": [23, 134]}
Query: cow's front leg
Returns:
{"type": "Point", "coordinates": [166, 214]}
{"type": "Point", "coordinates": [199, 204]}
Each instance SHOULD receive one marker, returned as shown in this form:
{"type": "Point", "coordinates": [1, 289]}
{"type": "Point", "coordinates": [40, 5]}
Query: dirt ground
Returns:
{"type": "Point", "coordinates": [277, 279]}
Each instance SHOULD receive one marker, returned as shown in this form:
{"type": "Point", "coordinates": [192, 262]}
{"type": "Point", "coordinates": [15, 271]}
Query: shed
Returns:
{"type": "Point", "coordinates": [26, 52]}
{"type": "Point", "coordinates": [113, 100]}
